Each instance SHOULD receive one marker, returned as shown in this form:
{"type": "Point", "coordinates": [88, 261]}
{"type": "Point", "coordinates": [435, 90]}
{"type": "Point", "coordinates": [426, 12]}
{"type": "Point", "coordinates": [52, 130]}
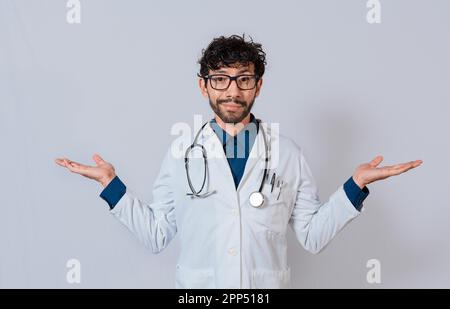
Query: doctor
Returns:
{"type": "Point", "coordinates": [232, 208]}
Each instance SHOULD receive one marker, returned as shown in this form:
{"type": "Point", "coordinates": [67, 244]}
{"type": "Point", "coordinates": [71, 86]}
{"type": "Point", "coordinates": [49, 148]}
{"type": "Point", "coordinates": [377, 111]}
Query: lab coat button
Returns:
{"type": "Point", "coordinates": [232, 252]}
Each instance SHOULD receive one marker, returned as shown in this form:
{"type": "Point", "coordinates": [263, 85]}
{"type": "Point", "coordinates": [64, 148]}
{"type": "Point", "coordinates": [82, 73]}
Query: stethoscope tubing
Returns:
{"type": "Point", "coordinates": [205, 161]}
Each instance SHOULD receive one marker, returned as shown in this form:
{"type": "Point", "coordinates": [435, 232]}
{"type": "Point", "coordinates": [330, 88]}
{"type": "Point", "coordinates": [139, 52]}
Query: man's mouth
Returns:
{"type": "Point", "coordinates": [232, 106]}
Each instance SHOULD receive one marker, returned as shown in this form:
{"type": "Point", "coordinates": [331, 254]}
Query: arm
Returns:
{"type": "Point", "coordinates": [153, 224]}
{"type": "Point", "coordinates": [315, 223]}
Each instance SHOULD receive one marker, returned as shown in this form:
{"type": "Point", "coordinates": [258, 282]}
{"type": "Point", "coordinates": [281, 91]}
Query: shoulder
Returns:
{"type": "Point", "coordinates": [286, 145]}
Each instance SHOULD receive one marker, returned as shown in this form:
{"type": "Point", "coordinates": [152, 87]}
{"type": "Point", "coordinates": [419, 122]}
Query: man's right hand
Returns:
{"type": "Point", "coordinates": [103, 172]}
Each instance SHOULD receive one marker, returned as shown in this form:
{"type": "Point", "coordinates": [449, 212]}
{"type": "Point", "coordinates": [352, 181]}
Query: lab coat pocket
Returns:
{"type": "Point", "coordinates": [274, 214]}
{"type": "Point", "coordinates": [189, 278]}
{"type": "Point", "coordinates": [271, 279]}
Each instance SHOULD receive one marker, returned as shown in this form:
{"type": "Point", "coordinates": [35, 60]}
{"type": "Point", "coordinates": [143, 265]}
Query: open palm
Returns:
{"type": "Point", "coordinates": [369, 172]}
{"type": "Point", "coordinates": [102, 172]}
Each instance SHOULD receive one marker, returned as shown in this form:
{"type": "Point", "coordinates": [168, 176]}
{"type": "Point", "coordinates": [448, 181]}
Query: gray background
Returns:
{"type": "Point", "coordinates": [343, 89]}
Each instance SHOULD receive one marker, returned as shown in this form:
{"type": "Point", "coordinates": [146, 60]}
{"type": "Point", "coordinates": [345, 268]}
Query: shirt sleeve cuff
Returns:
{"type": "Point", "coordinates": [355, 194]}
{"type": "Point", "coordinates": [113, 192]}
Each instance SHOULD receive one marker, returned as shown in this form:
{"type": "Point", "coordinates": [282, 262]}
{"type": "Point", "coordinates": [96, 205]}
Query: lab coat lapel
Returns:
{"type": "Point", "coordinates": [254, 168]}
{"type": "Point", "coordinates": [218, 162]}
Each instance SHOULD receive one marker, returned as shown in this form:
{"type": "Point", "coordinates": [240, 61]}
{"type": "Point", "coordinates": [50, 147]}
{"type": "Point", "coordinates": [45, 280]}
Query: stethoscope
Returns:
{"type": "Point", "coordinates": [256, 198]}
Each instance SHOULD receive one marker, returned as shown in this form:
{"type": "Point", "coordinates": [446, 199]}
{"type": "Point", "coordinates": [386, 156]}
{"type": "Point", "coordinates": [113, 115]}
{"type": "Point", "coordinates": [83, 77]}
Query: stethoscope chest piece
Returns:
{"type": "Point", "coordinates": [256, 199]}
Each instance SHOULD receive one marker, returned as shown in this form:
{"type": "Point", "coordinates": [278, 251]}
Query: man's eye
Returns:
{"type": "Point", "coordinates": [245, 79]}
{"type": "Point", "coordinates": [219, 79]}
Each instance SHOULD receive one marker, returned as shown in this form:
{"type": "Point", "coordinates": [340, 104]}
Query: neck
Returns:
{"type": "Point", "coordinates": [230, 128]}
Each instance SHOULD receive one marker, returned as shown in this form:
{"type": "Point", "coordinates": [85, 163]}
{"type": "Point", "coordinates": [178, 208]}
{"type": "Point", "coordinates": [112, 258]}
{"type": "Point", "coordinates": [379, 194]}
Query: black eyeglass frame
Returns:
{"type": "Point", "coordinates": [231, 79]}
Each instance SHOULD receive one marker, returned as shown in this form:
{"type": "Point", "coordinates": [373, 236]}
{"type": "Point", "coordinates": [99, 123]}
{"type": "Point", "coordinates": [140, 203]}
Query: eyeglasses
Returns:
{"type": "Point", "coordinates": [222, 81]}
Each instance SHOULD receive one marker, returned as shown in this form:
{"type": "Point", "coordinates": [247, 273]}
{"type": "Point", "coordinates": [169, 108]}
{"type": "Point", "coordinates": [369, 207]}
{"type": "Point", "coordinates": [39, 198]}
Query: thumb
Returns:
{"type": "Point", "coordinates": [98, 160]}
{"type": "Point", "coordinates": [375, 162]}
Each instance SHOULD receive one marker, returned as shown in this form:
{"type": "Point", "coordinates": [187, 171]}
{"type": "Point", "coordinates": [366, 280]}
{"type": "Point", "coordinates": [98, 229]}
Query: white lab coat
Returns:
{"type": "Point", "coordinates": [225, 242]}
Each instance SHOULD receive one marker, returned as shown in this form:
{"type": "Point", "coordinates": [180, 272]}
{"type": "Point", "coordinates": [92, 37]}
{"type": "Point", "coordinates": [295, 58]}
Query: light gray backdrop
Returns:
{"type": "Point", "coordinates": [343, 89]}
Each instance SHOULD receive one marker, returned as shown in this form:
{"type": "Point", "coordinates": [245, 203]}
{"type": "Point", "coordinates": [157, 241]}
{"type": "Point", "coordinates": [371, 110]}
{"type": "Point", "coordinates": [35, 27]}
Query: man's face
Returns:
{"type": "Point", "coordinates": [233, 104]}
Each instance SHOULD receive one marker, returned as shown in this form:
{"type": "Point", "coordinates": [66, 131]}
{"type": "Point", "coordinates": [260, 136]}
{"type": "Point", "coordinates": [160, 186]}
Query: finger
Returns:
{"type": "Point", "coordinates": [64, 162]}
{"type": "Point", "coordinates": [60, 162]}
{"type": "Point", "coordinates": [401, 168]}
{"type": "Point", "coordinates": [70, 165]}
{"type": "Point", "coordinates": [375, 162]}
{"type": "Point", "coordinates": [75, 166]}
{"type": "Point", "coordinates": [408, 165]}
{"type": "Point", "coordinates": [98, 160]}
{"type": "Point", "coordinates": [417, 163]}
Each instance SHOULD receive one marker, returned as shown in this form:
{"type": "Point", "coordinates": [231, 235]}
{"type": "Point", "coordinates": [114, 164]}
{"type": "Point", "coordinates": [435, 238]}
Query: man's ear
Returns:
{"type": "Point", "coordinates": [202, 85]}
{"type": "Point", "coordinates": [258, 87]}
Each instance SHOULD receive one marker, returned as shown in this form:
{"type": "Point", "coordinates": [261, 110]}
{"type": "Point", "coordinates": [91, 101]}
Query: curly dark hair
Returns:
{"type": "Point", "coordinates": [228, 51]}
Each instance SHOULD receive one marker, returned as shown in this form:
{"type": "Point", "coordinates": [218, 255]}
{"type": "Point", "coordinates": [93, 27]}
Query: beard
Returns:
{"type": "Point", "coordinates": [228, 116]}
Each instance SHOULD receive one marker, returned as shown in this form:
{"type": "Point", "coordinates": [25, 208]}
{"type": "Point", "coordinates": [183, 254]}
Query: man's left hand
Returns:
{"type": "Point", "coordinates": [369, 172]}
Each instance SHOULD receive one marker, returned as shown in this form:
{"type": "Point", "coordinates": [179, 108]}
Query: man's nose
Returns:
{"type": "Point", "coordinates": [233, 90]}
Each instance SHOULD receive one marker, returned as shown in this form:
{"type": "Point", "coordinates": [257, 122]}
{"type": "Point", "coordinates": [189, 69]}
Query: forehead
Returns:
{"type": "Point", "coordinates": [235, 69]}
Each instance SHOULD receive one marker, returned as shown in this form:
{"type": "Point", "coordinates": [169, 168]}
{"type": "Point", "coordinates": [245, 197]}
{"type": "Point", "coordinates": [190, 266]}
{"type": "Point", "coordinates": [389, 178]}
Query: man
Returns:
{"type": "Point", "coordinates": [225, 242]}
